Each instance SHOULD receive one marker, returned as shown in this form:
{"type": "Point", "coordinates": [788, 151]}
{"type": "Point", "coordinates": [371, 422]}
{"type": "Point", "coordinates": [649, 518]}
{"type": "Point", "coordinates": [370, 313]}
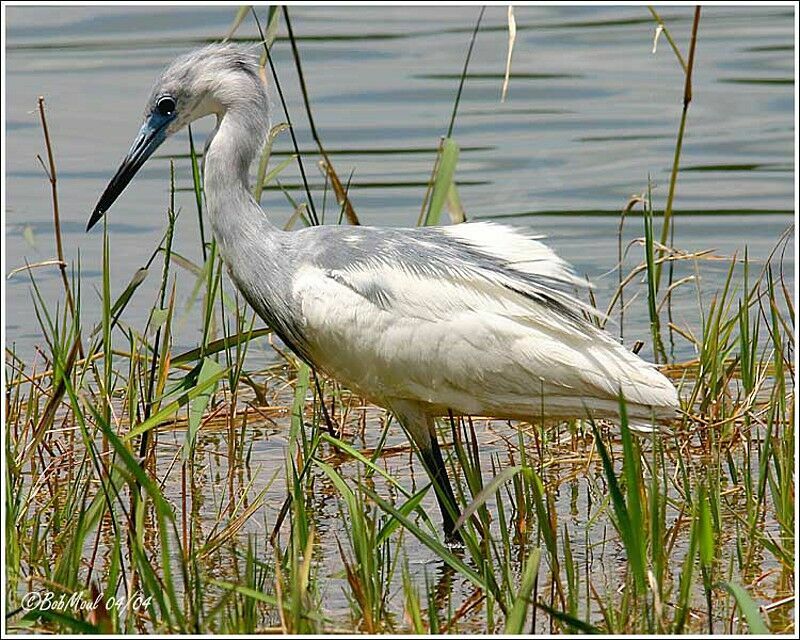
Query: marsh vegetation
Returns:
{"type": "Point", "coordinates": [224, 487]}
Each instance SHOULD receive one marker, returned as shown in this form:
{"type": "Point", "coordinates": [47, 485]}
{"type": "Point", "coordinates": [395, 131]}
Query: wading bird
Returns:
{"type": "Point", "coordinates": [470, 319]}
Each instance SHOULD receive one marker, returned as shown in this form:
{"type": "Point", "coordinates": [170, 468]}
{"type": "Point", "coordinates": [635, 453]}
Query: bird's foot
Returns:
{"type": "Point", "coordinates": [453, 540]}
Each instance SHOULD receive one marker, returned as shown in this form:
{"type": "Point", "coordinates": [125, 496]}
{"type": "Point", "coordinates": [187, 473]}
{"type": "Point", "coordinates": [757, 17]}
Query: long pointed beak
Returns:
{"type": "Point", "coordinates": [150, 137]}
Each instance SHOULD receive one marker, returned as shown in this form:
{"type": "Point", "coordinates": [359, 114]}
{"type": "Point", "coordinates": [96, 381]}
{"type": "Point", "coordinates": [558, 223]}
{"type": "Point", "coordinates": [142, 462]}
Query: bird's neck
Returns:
{"type": "Point", "coordinates": [257, 254]}
{"type": "Point", "coordinates": [233, 212]}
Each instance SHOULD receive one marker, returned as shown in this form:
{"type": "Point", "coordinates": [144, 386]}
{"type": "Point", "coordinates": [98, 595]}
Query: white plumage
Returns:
{"type": "Point", "coordinates": [477, 319]}
{"type": "Point", "coordinates": [466, 342]}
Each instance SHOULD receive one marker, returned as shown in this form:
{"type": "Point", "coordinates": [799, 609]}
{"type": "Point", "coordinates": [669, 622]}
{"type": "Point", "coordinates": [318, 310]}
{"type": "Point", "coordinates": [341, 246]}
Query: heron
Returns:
{"type": "Point", "coordinates": [471, 319]}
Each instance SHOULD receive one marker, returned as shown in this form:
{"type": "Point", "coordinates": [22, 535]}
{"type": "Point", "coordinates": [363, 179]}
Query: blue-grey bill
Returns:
{"type": "Point", "coordinates": [143, 146]}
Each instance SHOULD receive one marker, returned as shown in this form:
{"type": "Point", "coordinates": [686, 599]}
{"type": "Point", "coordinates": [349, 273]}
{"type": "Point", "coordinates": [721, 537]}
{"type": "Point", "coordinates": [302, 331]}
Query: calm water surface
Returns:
{"type": "Point", "coordinates": [591, 114]}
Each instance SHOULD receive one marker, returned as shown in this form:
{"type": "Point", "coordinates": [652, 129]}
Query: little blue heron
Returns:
{"type": "Point", "coordinates": [469, 319]}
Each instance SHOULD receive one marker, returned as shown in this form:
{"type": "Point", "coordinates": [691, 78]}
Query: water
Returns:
{"type": "Point", "coordinates": [591, 113]}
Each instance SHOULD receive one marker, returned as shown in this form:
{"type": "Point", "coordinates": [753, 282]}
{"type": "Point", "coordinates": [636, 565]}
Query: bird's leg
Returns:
{"type": "Point", "coordinates": [421, 428]}
{"type": "Point", "coordinates": [434, 463]}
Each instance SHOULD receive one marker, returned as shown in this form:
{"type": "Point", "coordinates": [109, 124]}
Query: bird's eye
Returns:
{"type": "Point", "coordinates": [165, 105]}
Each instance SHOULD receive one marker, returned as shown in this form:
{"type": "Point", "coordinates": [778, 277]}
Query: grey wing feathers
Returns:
{"type": "Point", "coordinates": [472, 252]}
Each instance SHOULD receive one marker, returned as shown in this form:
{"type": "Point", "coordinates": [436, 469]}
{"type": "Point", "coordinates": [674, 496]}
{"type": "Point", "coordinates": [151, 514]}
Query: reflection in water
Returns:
{"type": "Point", "coordinates": [591, 115]}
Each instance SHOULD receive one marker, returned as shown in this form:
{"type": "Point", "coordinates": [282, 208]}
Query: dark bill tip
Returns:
{"type": "Point", "coordinates": [95, 217]}
{"type": "Point", "coordinates": [150, 137]}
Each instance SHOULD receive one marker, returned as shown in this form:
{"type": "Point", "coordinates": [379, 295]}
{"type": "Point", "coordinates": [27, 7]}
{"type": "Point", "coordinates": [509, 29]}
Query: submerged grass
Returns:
{"type": "Point", "coordinates": [146, 479]}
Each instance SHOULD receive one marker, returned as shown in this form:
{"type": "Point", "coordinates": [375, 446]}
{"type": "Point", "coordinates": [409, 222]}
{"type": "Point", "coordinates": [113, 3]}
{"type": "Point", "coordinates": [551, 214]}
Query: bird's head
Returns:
{"type": "Point", "coordinates": [208, 81]}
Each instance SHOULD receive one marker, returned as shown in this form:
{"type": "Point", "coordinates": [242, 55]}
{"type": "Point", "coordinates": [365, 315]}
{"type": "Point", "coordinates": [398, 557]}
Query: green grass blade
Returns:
{"type": "Point", "coordinates": [197, 188]}
{"type": "Point", "coordinates": [706, 529]}
{"type": "Point", "coordinates": [570, 621]}
{"type": "Point", "coordinates": [406, 509]}
{"type": "Point", "coordinates": [630, 537]}
{"type": "Point", "coordinates": [339, 444]}
{"type": "Point", "coordinates": [222, 344]}
{"type": "Point", "coordinates": [209, 370]}
{"type": "Point", "coordinates": [748, 608]}
{"type": "Point", "coordinates": [444, 178]}
{"type": "Point", "coordinates": [486, 493]}
{"type": "Point", "coordinates": [172, 408]}
{"type": "Point", "coordinates": [519, 610]}
{"type": "Point", "coordinates": [432, 543]}
{"type": "Point", "coordinates": [276, 171]}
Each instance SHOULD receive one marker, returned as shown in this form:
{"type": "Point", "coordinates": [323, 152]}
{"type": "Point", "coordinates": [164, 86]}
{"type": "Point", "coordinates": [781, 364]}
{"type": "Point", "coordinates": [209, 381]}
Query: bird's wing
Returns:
{"type": "Point", "coordinates": [481, 256]}
{"type": "Point", "coordinates": [458, 316]}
